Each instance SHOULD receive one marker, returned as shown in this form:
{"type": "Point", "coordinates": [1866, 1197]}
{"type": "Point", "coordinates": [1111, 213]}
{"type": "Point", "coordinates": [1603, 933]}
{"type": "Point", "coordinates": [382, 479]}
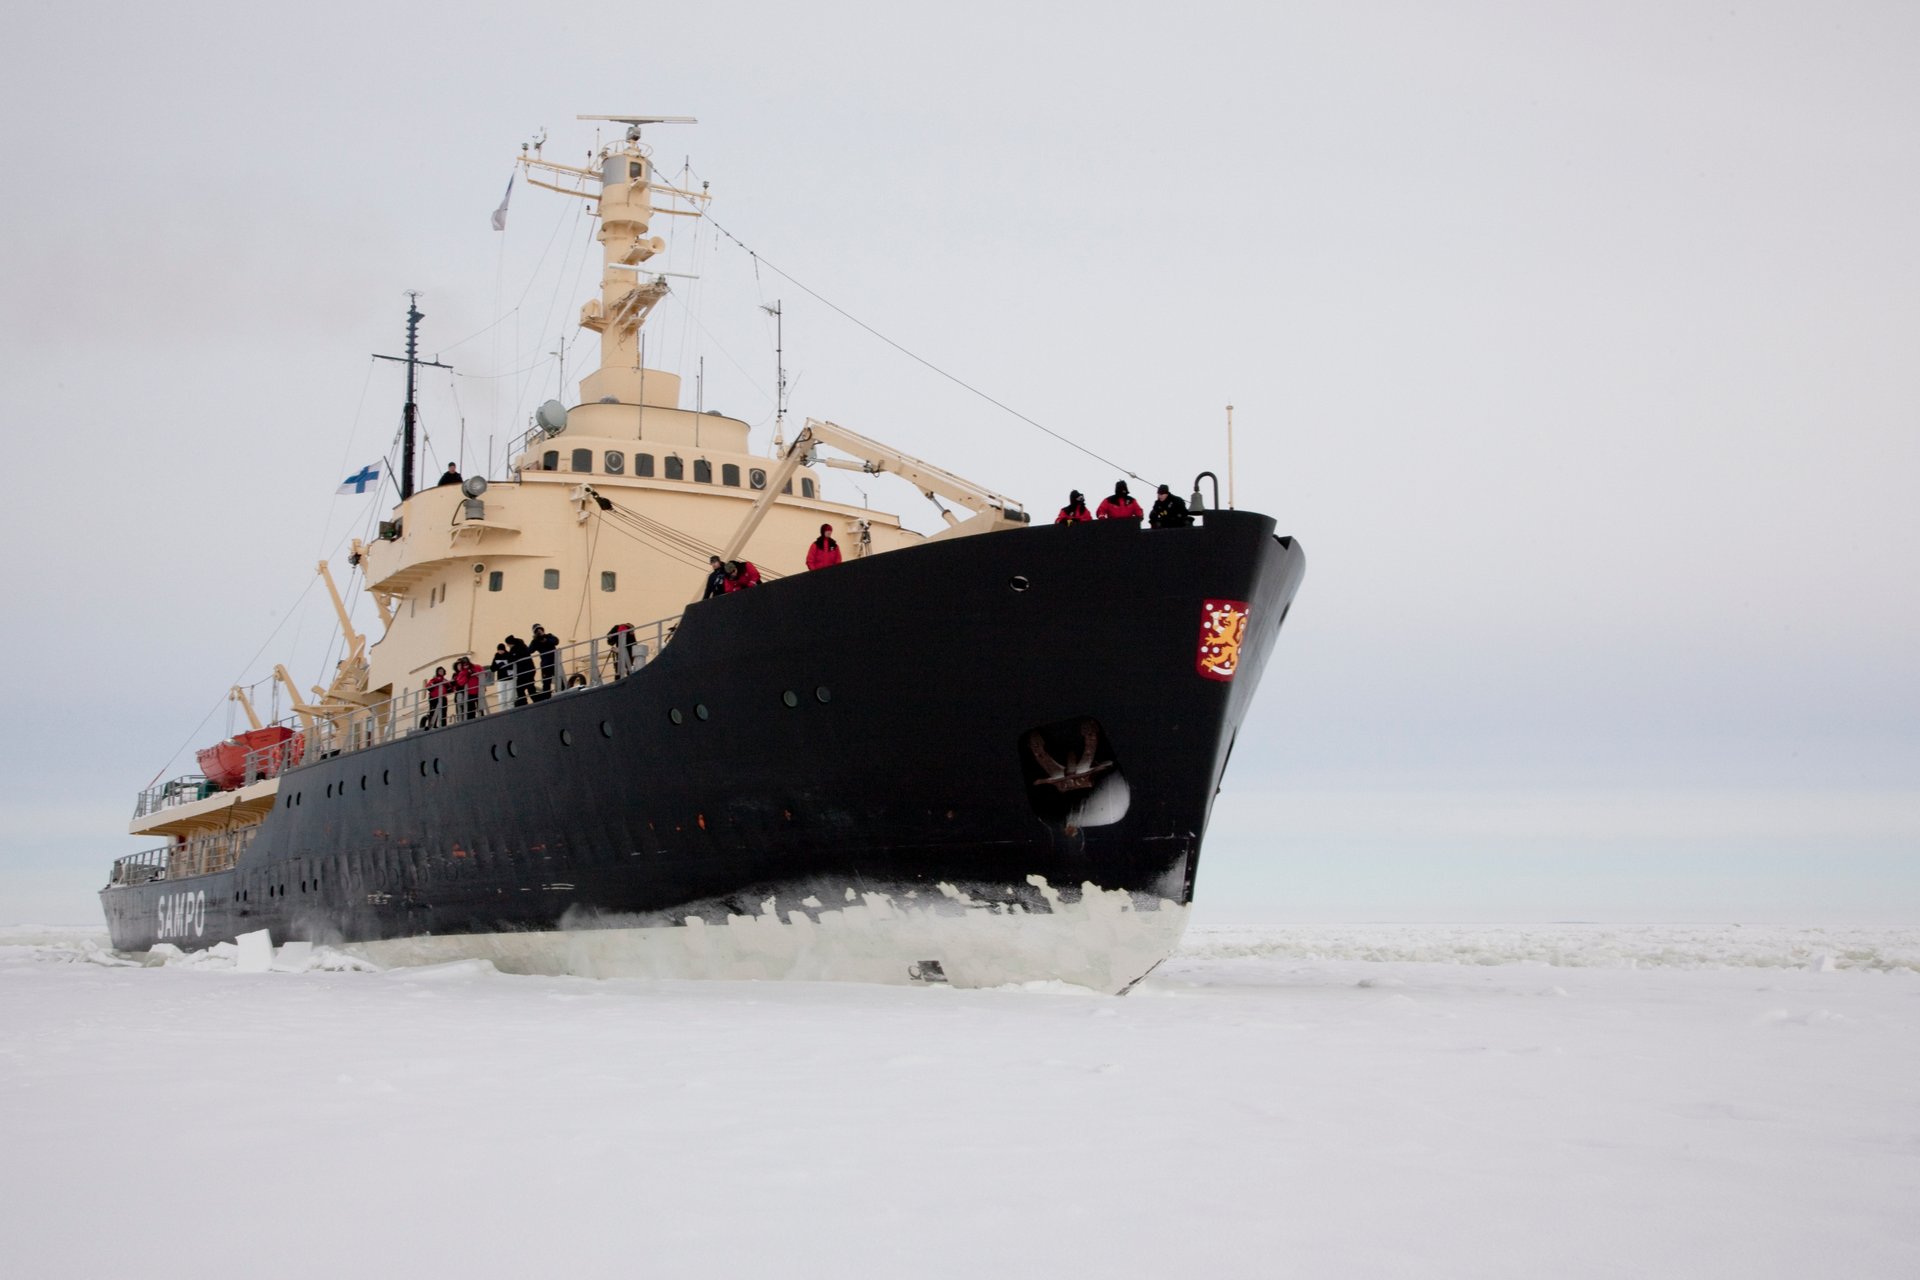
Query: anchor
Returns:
{"type": "Point", "coordinates": [1077, 774]}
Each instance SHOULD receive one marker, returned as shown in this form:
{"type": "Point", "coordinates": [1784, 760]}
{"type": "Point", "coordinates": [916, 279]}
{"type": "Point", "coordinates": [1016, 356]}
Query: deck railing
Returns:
{"type": "Point", "coordinates": [182, 790]}
{"type": "Point", "coordinates": [198, 856]}
{"type": "Point", "coordinates": [584, 664]}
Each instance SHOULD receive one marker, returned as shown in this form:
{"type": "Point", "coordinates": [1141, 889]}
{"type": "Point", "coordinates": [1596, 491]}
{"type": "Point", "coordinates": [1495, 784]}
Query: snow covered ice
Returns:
{"type": "Point", "coordinates": [1370, 1100]}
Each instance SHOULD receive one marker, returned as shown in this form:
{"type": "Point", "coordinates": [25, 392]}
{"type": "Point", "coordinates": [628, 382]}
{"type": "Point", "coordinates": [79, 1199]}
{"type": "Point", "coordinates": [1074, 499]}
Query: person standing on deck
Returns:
{"type": "Point", "coordinates": [1120, 506]}
{"type": "Point", "coordinates": [521, 659]}
{"type": "Point", "coordinates": [544, 644]}
{"type": "Point", "coordinates": [1169, 511]}
{"type": "Point", "coordinates": [1075, 512]}
{"type": "Point", "coordinates": [501, 668]}
{"type": "Point", "coordinates": [823, 550]}
{"type": "Point", "coordinates": [436, 698]}
{"type": "Point", "coordinates": [741, 574]}
{"type": "Point", "coordinates": [716, 578]}
{"type": "Point", "coordinates": [452, 475]}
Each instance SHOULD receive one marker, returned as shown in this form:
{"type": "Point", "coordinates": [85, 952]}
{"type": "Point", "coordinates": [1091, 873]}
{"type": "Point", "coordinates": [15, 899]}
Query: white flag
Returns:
{"type": "Point", "coordinates": [500, 214]}
{"type": "Point", "coordinates": [358, 483]}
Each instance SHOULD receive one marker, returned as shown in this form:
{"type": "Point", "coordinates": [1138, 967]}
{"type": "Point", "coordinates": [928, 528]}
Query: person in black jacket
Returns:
{"type": "Point", "coordinates": [521, 659]}
{"type": "Point", "coordinates": [717, 579]}
{"type": "Point", "coordinates": [544, 644]}
{"type": "Point", "coordinates": [1169, 511]}
{"type": "Point", "coordinates": [452, 475]}
{"type": "Point", "coordinates": [502, 669]}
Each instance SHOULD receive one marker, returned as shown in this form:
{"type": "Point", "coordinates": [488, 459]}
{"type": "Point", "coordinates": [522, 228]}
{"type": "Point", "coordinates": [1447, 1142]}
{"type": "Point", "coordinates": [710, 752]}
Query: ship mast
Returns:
{"type": "Point", "coordinates": [409, 415]}
{"type": "Point", "coordinates": [620, 183]}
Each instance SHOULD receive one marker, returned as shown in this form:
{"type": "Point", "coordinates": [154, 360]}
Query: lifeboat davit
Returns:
{"type": "Point", "coordinates": [225, 763]}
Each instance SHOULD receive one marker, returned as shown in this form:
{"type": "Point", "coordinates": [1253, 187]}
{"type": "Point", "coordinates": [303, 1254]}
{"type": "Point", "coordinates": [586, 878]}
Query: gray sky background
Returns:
{"type": "Point", "coordinates": [1575, 341]}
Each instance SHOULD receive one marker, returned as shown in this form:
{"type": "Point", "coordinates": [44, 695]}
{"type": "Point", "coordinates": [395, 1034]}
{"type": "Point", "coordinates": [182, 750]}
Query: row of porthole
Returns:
{"type": "Point", "coordinates": [821, 694]}
{"type": "Point", "coordinates": [787, 696]}
{"type": "Point", "coordinates": [339, 789]}
{"type": "Point", "coordinates": [276, 890]}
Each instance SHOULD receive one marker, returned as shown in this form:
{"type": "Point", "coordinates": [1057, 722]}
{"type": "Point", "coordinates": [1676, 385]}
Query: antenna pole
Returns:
{"type": "Point", "coordinates": [410, 414]}
{"type": "Point", "coordinates": [779, 377]}
{"type": "Point", "coordinates": [1229, 457]}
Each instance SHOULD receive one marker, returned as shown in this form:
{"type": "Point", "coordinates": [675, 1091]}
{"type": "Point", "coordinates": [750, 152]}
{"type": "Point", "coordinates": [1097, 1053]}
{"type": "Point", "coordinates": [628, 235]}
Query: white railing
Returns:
{"type": "Point", "coordinates": [533, 678]}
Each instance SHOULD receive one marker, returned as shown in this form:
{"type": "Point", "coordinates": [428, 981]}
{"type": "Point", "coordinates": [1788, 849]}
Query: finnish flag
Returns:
{"type": "Point", "coordinates": [361, 481]}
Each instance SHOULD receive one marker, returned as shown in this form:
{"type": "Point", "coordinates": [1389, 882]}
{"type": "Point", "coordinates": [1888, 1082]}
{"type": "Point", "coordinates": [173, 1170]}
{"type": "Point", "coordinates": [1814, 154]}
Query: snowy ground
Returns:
{"type": "Point", "coordinates": [1303, 1101]}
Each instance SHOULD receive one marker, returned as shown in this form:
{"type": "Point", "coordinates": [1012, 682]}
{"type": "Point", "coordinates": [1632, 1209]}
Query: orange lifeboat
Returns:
{"type": "Point", "coordinates": [225, 763]}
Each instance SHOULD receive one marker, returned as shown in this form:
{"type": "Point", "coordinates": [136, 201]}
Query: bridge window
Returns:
{"type": "Point", "coordinates": [550, 579]}
{"type": "Point", "coordinates": [757, 478]}
{"type": "Point", "coordinates": [550, 460]}
{"type": "Point", "coordinates": [583, 460]}
{"type": "Point", "coordinates": [643, 464]}
{"type": "Point", "coordinates": [702, 471]}
{"type": "Point", "coordinates": [495, 580]}
{"type": "Point", "coordinates": [616, 462]}
{"type": "Point", "coordinates": [606, 579]}
{"type": "Point", "coordinates": [676, 469]}
{"type": "Point", "coordinates": [806, 488]}
{"type": "Point", "coordinates": [730, 475]}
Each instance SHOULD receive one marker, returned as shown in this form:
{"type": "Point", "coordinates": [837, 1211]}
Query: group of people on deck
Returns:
{"type": "Point", "coordinates": [529, 668]}
{"type": "Point", "coordinates": [1169, 510]}
{"type": "Point", "coordinates": [727, 576]}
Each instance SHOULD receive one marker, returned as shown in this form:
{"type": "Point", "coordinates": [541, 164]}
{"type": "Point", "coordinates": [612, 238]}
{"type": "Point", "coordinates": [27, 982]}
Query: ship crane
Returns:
{"type": "Point", "coordinates": [991, 511]}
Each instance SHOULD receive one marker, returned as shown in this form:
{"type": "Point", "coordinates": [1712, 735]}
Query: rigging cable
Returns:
{"type": "Point", "coordinates": [919, 359]}
{"type": "Point", "coordinates": [249, 663]}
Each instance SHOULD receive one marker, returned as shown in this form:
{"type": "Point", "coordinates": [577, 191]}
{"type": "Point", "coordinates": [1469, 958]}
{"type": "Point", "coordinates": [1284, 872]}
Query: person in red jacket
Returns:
{"type": "Point", "coordinates": [1120, 506]}
{"type": "Point", "coordinates": [437, 698]}
{"type": "Point", "coordinates": [740, 575]}
{"type": "Point", "coordinates": [823, 550]}
{"type": "Point", "coordinates": [466, 689]}
{"type": "Point", "coordinates": [1075, 512]}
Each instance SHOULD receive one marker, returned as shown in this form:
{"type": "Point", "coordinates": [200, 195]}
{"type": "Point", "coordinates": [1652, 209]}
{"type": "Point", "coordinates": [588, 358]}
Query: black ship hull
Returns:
{"type": "Point", "coordinates": [982, 760]}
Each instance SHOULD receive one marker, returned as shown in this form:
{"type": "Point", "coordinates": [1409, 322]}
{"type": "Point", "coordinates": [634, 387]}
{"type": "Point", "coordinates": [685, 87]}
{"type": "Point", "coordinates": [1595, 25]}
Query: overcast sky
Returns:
{"type": "Point", "coordinates": [1576, 342]}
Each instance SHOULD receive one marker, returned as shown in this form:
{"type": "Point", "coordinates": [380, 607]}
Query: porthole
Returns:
{"type": "Point", "coordinates": [386, 777]}
{"type": "Point", "coordinates": [363, 782]}
{"type": "Point", "coordinates": [1019, 582]}
{"type": "Point", "coordinates": [423, 768]}
{"type": "Point", "coordinates": [700, 710]}
{"type": "Point", "coordinates": [791, 698]}
{"type": "Point", "coordinates": [675, 716]}
{"type": "Point", "coordinates": [512, 749]}
{"type": "Point", "coordinates": [329, 791]}
{"type": "Point", "coordinates": [495, 749]}
{"type": "Point", "coordinates": [606, 729]}
{"type": "Point", "coordinates": [436, 764]}
{"type": "Point", "coordinates": [823, 693]}
{"type": "Point", "coordinates": [566, 737]}
{"type": "Point", "coordinates": [297, 795]}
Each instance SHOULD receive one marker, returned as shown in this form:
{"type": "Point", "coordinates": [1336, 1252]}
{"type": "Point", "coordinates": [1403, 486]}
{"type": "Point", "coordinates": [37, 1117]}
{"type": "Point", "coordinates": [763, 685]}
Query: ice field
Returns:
{"type": "Point", "coordinates": [1371, 1100]}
